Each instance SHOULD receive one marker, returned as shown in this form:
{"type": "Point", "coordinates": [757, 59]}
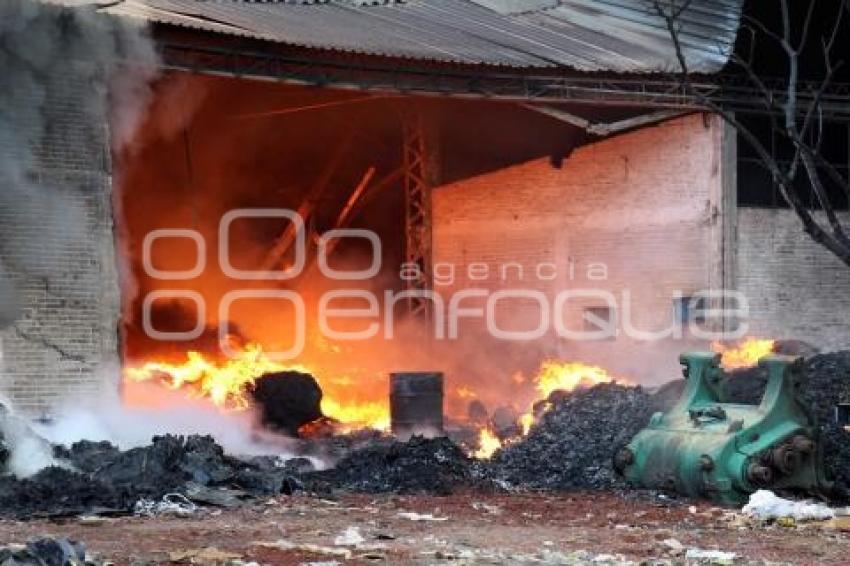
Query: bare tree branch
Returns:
{"type": "Point", "coordinates": [797, 126]}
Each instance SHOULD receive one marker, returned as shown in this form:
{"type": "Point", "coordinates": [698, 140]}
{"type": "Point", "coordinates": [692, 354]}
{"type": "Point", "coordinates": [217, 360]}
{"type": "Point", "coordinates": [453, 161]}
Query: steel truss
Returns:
{"type": "Point", "coordinates": [417, 212]}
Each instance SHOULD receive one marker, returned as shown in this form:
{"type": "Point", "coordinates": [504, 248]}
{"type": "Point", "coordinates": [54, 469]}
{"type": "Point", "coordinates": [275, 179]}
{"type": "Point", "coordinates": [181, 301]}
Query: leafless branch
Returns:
{"type": "Point", "coordinates": [797, 127]}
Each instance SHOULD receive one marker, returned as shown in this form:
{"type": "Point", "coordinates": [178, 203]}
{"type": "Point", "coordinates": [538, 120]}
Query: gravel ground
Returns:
{"type": "Point", "coordinates": [478, 528]}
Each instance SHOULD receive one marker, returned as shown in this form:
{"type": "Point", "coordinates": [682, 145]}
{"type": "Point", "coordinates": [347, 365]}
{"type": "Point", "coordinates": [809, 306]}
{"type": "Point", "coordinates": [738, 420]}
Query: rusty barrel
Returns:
{"type": "Point", "coordinates": [416, 403]}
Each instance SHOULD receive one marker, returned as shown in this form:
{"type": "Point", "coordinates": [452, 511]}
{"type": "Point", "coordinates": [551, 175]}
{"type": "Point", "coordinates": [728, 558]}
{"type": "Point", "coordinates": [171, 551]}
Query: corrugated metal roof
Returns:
{"type": "Point", "coordinates": [587, 35]}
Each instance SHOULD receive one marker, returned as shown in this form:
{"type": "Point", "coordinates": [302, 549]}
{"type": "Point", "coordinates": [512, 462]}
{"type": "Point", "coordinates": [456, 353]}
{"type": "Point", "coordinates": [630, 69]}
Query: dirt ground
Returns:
{"type": "Point", "coordinates": [471, 528]}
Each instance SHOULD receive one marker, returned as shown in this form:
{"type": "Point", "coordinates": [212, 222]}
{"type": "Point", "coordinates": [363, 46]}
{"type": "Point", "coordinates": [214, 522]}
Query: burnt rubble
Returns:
{"type": "Point", "coordinates": [47, 552]}
{"type": "Point", "coordinates": [570, 447]}
{"type": "Point", "coordinates": [573, 444]}
{"type": "Point", "coordinates": [107, 480]}
{"type": "Point", "coordinates": [420, 465]}
{"type": "Point", "coordinates": [287, 400]}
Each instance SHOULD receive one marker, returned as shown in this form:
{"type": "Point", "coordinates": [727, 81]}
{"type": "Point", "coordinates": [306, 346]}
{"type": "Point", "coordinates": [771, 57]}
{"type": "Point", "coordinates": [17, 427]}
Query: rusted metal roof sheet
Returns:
{"type": "Point", "coordinates": [587, 35]}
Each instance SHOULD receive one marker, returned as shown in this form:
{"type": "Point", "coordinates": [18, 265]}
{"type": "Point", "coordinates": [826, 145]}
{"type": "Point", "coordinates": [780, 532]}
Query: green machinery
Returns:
{"type": "Point", "coordinates": [724, 451]}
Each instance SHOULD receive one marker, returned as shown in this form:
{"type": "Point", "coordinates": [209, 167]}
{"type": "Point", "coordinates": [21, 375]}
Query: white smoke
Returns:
{"type": "Point", "coordinates": [47, 53]}
{"type": "Point", "coordinates": [29, 452]}
{"type": "Point", "coordinates": [104, 416]}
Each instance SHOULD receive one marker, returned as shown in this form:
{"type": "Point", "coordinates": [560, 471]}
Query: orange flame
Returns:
{"type": "Point", "coordinates": [553, 375]}
{"type": "Point", "coordinates": [226, 383]}
{"type": "Point", "coordinates": [567, 376]}
{"type": "Point", "coordinates": [488, 443]}
{"type": "Point", "coordinates": [745, 354]}
{"type": "Point", "coordinates": [526, 421]}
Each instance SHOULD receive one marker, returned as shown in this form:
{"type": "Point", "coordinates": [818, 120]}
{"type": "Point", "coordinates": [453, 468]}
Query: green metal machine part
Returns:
{"type": "Point", "coordinates": [703, 447]}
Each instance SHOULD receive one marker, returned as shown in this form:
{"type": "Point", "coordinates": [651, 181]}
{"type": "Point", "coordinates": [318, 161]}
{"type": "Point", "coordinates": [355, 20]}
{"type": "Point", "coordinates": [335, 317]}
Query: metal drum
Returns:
{"type": "Point", "coordinates": [416, 404]}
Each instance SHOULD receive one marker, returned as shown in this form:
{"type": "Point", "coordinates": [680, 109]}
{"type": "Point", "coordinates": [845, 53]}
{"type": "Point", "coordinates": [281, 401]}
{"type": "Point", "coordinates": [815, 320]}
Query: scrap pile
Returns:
{"type": "Point", "coordinates": [420, 465]}
{"type": "Point", "coordinates": [98, 477]}
{"type": "Point", "coordinates": [570, 446]}
{"type": "Point", "coordinates": [48, 551]}
{"type": "Point", "coordinates": [573, 444]}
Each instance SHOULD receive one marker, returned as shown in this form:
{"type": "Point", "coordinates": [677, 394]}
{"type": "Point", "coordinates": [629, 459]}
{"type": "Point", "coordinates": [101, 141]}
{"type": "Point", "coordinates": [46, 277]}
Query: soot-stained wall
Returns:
{"type": "Point", "coordinates": [73, 86]}
{"type": "Point", "coordinates": [58, 252]}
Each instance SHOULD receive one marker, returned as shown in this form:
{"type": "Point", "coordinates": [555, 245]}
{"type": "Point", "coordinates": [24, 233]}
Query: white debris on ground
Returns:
{"type": "Point", "coordinates": [349, 537]}
{"type": "Point", "coordinates": [174, 504]}
{"type": "Point", "coordinates": [718, 557]}
{"type": "Point", "coordinates": [412, 516]}
{"type": "Point", "coordinates": [767, 506]}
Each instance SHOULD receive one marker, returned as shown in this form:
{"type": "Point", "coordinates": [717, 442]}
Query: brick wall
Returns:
{"type": "Point", "coordinates": [647, 204]}
{"type": "Point", "coordinates": [796, 288]}
{"type": "Point", "coordinates": [57, 246]}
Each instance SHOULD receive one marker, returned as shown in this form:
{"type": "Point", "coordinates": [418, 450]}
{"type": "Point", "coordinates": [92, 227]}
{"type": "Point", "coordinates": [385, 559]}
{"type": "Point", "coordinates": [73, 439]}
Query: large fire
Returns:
{"type": "Point", "coordinates": [488, 443]}
{"type": "Point", "coordinates": [745, 354]}
{"type": "Point", "coordinates": [553, 375]}
{"type": "Point", "coordinates": [225, 383]}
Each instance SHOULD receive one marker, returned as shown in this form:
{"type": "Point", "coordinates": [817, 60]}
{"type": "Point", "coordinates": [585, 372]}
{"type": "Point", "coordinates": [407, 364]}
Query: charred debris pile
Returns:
{"type": "Point", "coordinates": [97, 477]}
{"type": "Point", "coordinates": [573, 443]}
{"type": "Point", "coordinates": [570, 447]}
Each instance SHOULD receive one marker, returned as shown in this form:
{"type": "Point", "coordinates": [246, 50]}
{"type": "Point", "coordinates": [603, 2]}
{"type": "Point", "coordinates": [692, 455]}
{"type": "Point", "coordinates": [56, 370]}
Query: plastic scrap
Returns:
{"type": "Point", "coordinates": [349, 537]}
{"type": "Point", "coordinates": [171, 504]}
{"type": "Point", "coordinates": [710, 556]}
{"type": "Point", "coordinates": [420, 516]}
{"type": "Point", "coordinates": [766, 506]}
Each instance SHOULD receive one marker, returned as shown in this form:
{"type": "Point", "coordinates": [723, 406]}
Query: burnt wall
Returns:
{"type": "Point", "coordinates": [648, 205]}
{"type": "Point", "coordinates": [73, 87]}
{"type": "Point", "coordinates": [57, 250]}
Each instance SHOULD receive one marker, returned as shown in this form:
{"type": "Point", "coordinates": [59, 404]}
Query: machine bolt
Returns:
{"type": "Point", "coordinates": [706, 464]}
{"type": "Point", "coordinates": [802, 444]}
{"type": "Point", "coordinates": [623, 459]}
{"type": "Point", "coordinates": [759, 475]}
{"type": "Point", "coordinates": [785, 459]}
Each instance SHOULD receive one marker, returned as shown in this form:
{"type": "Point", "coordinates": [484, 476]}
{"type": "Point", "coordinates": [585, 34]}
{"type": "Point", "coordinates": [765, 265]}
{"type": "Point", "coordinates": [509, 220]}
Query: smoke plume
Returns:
{"type": "Point", "coordinates": [45, 53]}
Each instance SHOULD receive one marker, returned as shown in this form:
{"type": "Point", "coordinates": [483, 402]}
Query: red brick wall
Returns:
{"type": "Point", "coordinates": [642, 203]}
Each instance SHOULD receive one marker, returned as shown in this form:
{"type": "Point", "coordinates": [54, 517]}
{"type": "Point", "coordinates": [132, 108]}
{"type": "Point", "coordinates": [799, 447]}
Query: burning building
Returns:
{"type": "Point", "coordinates": [500, 152]}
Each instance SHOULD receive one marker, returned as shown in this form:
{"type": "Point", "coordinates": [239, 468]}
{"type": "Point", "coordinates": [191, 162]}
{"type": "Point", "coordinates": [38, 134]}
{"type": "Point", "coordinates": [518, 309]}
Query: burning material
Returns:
{"type": "Point", "coordinates": [224, 383]}
{"type": "Point", "coordinates": [573, 443]}
{"type": "Point", "coordinates": [228, 384]}
{"type": "Point", "coordinates": [554, 380]}
{"type": "Point", "coordinates": [555, 375]}
{"type": "Point", "coordinates": [488, 443]}
{"type": "Point", "coordinates": [288, 400]}
{"type": "Point", "coordinates": [745, 354]}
